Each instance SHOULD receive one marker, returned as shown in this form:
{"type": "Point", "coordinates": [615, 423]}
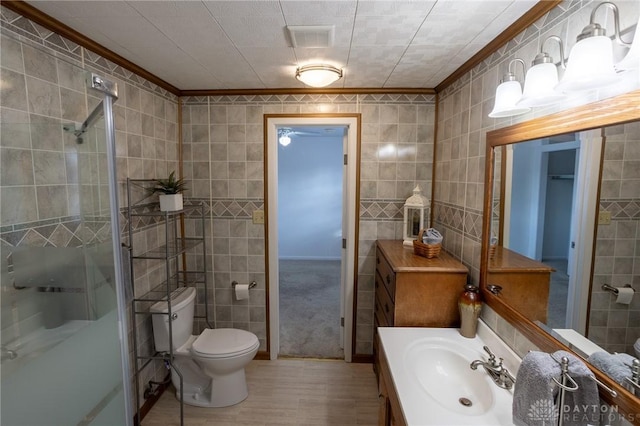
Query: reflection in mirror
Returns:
{"type": "Point", "coordinates": [536, 199]}
{"type": "Point", "coordinates": [564, 209]}
{"type": "Point", "coordinates": [538, 195]}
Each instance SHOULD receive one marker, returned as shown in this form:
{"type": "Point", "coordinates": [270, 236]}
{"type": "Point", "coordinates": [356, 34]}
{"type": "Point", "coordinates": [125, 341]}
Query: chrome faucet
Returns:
{"type": "Point", "coordinates": [7, 354]}
{"type": "Point", "coordinates": [498, 373]}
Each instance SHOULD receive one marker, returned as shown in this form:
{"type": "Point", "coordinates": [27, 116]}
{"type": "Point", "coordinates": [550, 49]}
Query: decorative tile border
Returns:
{"type": "Point", "coordinates": [622, 209]}
{"type": "Point", "coordinates": [309, 98]}
{"type": "Point", "coordinates": [459, 219]}
{"type": "Point", "coordinates": [382, 209]}
{"type": "Point", "coordinates": [67, 232]}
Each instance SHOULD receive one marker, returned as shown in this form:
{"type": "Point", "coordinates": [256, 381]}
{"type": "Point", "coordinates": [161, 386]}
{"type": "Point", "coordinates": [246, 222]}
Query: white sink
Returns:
{"type": "Point", "coordinates": [446, 363]}
{"type": "Point", "coordinates": [435, 385]}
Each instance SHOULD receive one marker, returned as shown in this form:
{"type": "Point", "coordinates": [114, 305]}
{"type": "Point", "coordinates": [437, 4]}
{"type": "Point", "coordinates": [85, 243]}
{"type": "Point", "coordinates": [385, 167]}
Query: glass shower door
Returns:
{"type": "Point", "coordinates": [62, 319]}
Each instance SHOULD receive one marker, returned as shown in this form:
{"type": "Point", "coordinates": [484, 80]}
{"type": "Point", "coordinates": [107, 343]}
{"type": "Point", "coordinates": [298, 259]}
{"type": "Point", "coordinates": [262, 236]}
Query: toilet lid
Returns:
{"type": "Point", "coordinates": [222, 341]}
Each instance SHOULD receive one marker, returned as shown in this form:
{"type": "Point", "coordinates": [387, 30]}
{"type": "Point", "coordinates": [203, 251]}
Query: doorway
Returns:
{"type": "Point", "coordinates": [292, 222]}
{"type": "Point", "coordinates": [310, 198]}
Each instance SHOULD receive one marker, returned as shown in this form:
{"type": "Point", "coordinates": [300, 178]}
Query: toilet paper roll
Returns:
{"type": "Point", "coordinates": [242, 291]}
{"type": "Point", "coordinates": [625, 294]}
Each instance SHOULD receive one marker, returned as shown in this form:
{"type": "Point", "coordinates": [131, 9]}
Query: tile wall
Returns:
{"type": "Point", "coordinates": [41, 193]}
{"type": "Point", "coordinates": [463, 123]}
{"type": "Point", "coordinates": [615, 326]}
{"type": "Point", "coordinates": [224, 160]}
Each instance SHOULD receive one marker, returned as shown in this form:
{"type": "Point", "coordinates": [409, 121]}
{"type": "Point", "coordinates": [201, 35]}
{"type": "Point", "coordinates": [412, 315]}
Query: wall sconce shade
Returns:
{"type": "Point", "coordinates": [590, 65]}
{"type": "Point", "coordinates": [632, 60]}
{"type": "Point", "coordinates": [318, 75]}
{"type": "Point", "coordinates": [542, 78]}
{"type": "Point", "coordinates": [414, 214]}
{"type": "Point", "coordinates": [591, 59]}
{"type": "Point", "coordinates": [508, 94]}
{"type": "Point", "coordinates": [539, 86]}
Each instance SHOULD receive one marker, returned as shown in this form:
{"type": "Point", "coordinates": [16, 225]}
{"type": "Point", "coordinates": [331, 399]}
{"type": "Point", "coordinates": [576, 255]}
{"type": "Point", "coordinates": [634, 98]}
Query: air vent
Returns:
{"type": "Point", "coordinates": [311, 35]}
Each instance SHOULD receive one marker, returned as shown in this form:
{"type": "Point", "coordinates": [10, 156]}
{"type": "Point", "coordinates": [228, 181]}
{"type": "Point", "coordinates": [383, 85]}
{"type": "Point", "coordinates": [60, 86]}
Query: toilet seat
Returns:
{"type": "Point", "coordinates": [224, 343]}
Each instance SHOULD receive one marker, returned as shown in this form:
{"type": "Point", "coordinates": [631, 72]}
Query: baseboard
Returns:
{"type": "Point", "coordinates": [308, 258]}
{"type": "Point", "coordinates": [362, 358]}
{"type": "Point", "coordinates": [357, 358]}
{"type": "Point", "coordinates": [262, 355]}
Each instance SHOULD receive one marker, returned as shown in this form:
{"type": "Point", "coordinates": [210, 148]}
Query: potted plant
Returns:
{"type": "Point", "coordinates": [170, 191]}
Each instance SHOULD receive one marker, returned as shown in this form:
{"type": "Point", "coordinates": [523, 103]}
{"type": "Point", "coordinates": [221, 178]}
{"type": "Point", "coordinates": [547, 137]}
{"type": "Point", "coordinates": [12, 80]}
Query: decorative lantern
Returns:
{"type": "Point", "coordinates": [414, 209]}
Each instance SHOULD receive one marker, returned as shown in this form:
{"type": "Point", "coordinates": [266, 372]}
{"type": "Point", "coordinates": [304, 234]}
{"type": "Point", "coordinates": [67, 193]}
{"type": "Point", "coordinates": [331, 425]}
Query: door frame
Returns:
{"type": "Point", "coordinates": [352, 207]}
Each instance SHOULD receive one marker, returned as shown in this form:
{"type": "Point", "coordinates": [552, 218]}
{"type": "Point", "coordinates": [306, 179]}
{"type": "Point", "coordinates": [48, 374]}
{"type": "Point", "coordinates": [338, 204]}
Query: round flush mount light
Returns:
{"type": "Point", "coordinates": [318, 75]}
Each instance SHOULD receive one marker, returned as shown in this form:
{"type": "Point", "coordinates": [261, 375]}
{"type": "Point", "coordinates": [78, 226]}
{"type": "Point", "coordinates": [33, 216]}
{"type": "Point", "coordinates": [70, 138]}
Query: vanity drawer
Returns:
{"type": "Point", "coordinates": [384, 307]}
{"type": "Point", "coordinates": [386, 274]}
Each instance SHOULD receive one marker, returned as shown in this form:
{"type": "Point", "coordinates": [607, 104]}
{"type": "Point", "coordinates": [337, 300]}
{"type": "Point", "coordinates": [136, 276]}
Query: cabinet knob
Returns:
{"type": "Point", "coordinates": [388, 279]}
{"type": "Point", "coordinates": [174, 316]}
{"type": "Point", "coordinates": [378, 260]}
{"type": "Point", "coordinates": [386, 308]}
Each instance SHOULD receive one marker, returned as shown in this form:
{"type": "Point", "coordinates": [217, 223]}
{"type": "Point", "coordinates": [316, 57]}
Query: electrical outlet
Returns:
{"type": "Point", "coordinates": [604, 218]}
{"type": "Point", "coordinates": [258, 217]}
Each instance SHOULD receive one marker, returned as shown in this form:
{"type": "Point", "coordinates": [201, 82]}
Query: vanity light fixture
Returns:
{"type": "Point", "coordinates": [508, 94]}
{"type": "Point", "coordinates": [590, 64]}
{"type": "Point", "coordinates": [284, 136]}
{"type": "Point", "coordinates": [632, 60]}
{"type": "Point", "coordinates": [542, 78]}
{"type": "Point", "coordinates": [318, 75]}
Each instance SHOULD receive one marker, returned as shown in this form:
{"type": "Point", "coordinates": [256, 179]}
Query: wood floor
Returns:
{"type": "Point", "coordinates": [287, 392]}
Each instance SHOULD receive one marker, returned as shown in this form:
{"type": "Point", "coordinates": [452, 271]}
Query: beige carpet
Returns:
{"type": "Point", "coordinates": [310, 308]}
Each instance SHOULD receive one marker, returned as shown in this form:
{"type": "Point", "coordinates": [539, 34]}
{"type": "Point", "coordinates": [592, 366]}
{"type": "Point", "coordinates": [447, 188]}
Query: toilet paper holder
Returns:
{"type": "Point", "coordinates": [252, 284]}
{"type": "Point", "coordinates": [611, 289]}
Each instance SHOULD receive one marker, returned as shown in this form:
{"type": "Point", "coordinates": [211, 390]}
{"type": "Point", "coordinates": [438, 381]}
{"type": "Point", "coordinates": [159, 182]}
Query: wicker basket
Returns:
{"type": "Point", "coordinates": [425, 250]}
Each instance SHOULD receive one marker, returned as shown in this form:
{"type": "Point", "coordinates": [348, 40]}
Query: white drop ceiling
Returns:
{"type": "Point", "coordinates": [244, 44]}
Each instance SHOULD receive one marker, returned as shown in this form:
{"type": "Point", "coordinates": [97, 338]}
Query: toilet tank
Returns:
{"type": "Point", "coordinates": [182, 308]}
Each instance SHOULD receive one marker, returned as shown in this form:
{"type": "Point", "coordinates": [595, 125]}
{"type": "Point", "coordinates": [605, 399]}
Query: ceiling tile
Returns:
{"type": "Point", "coordinates": [212, 44]}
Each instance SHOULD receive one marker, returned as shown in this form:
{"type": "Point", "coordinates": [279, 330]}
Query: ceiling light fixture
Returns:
{"type": "Point", "coordinates": [284, 136]}
{"type": "Point", "coordinates": [590, 64]}
{"type": "Point", "coordinates": [542, 78]}
{"type": "Point", "coordinates": [508, 94]}
{"type": "Point", "coordinates": [318, 75]}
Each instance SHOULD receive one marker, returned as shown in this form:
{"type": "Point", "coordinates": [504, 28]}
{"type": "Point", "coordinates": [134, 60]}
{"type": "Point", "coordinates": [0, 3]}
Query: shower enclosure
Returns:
{"type": "Point", "coordinates": [64, 325]}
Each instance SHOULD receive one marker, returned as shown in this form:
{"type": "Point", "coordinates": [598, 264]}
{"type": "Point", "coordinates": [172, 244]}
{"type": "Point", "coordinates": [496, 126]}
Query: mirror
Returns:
{"type": "Point", "coordinates": [513, 257]}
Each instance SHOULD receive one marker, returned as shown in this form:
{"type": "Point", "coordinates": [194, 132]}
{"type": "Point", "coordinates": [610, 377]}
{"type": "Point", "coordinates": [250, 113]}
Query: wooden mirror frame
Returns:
{"type": "Point", "coordinates": [617, 110]}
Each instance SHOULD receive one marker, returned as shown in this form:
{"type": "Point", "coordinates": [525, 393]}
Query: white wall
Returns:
{"type": "Point", "coordinates": [310, 198]}
{"type": "Point", "coordinates": [525, 196]}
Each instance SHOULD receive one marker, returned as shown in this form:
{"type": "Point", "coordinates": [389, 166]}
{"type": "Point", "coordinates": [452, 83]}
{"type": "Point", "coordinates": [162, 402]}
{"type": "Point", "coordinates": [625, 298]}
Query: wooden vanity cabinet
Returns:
{"type": "Point", "coordinates": [525, 282]}
{"type": "Point", "coordinates": [413, 291]}
{"type": "Point", "coordinates": [389, 410]}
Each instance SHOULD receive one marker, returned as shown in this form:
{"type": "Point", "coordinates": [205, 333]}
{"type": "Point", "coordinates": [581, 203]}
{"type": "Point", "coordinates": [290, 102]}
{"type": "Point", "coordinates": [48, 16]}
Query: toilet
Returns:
{"type": "Point", "coordinates": [211, 364]}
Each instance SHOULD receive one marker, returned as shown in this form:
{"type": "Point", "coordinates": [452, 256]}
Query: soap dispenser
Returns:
{"type": "Point", "coordinates": [469, 305]}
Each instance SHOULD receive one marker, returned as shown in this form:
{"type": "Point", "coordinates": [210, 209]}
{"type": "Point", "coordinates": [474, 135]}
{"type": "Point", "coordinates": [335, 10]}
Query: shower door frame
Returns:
{"type": "Point", "coordinates": [105, 110]}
